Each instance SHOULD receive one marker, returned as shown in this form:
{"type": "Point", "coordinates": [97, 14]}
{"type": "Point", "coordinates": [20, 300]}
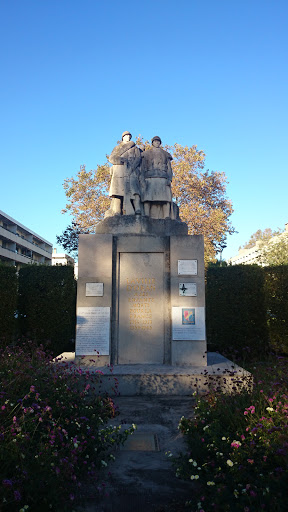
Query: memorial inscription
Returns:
{"type": "Point", "coordinates": [141, 318]}
{"type": "Point", "coordinates": [94, 289]}
{"type": "Point", "coordinates": [187, 267]}
{"type": "Point", "coordinates": [141, 302]}
{"type": "Point", "coordinates": [93, 331]}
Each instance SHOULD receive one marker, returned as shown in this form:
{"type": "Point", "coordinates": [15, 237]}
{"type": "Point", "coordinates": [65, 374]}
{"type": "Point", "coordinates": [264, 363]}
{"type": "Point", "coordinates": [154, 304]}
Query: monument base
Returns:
{"type": "Point", "coordinates": [141, 297]}
{"type": "Point", "coordinates": [138, 225]}
{"type": "Point", "coordinates": [163, 380]}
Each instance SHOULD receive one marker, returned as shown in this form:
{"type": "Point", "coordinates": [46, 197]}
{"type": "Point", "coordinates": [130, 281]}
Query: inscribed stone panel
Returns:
{"type": "Point", "coordinates": [141, 318]}
{"type": "Point", "coordinates": [92, 331]}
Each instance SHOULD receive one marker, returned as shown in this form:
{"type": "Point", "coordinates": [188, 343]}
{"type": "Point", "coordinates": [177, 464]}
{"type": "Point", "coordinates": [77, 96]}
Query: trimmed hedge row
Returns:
{"type": "Point", "coordinates": [247, 309]}
{"type": "Point", "coordinates": [47, 306]}
{"type": "Point", "coordinates": [43, 299]}
{"type": "Point", "coordinates": [276, 292]}
{"type": "Point", "coordinates": [8, 302]}
{"type": "Point", "coordinates": [235, 309]}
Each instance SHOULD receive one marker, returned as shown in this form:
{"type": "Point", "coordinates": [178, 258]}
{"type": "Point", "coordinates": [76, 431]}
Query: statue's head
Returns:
{"type": "Point", "coordinates": [126, 136]}
{"type": "Point", "coordinates": [156, 141]}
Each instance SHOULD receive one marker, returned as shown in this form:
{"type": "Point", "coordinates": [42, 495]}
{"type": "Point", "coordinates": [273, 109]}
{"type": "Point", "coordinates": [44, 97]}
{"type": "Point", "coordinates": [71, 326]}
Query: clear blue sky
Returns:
{"type": "Point", "coordinates": [76, 74]}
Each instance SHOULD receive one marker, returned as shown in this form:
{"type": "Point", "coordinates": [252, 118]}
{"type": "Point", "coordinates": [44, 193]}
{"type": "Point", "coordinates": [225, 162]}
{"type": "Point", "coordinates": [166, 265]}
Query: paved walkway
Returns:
{"type": "Point", "coordinates": [144, 481]}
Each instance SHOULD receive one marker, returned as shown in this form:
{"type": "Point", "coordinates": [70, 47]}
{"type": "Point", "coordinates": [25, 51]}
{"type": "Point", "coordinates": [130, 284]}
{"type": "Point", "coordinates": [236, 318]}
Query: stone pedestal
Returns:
{"type": "Point", "coordinates": [141, 295]}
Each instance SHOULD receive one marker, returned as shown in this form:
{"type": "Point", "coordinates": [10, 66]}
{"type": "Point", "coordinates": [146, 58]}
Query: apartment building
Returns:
{"type": "Point", "coordinates": [247, 256]}
{"type": "Point", "coordinates": [20, 246]}
{"type": "Point", "coordinates": [60, 258]}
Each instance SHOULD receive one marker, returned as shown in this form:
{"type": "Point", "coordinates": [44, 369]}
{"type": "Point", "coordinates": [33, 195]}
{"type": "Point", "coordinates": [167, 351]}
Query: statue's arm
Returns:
{"type": "Point", "coordinates": [138, 158]}
{"type": "Point", "coordinates": [116, 158]}
{"type": "Point", "coordinates": [170, 172]}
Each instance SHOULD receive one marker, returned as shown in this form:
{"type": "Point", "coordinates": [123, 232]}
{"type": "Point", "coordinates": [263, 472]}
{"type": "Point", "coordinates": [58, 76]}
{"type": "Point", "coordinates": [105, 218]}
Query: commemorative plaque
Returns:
{"type": "Point", "coordinates": [187, 289]}
{"type": "Point", "coordinates": [94, 289]}
{"type": "Point", "coordinates": [187, 267]}
{"type": "Point", "coordinates": [93, 331]}
{"type": "Point", "coordinates": [188, 323]}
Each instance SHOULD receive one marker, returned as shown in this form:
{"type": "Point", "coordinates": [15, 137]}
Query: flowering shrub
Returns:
{"type": "Point", "coordinates": [238, 446]}
{"type": "Point", "coordinates": [53, 431]}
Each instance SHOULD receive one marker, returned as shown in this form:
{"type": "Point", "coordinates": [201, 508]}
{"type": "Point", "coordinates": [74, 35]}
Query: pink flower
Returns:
{"type": "Point", "coordinates": [3, 407]}
{"type": "Point", "coordinates": [243, 437]}
{"type": "Point", "coordinates": [251, 461]}
{"type": "Point", "coordinates": [32, 389]}
{"type": "Point", "coordinates": [264, 458]}
{"type": "Point", "coordinates": [235, 444]}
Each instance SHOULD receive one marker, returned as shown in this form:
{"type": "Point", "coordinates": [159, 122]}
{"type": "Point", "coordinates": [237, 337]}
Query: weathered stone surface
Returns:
{"type": "Point", "coordinates": [131, 224]}
{"type": "Point", "coordinates": [191, 352]}
{"type": "Point", "coordinates": [125, 185]}
{"type": "Point", "coordinates": [141, 308]}
{"type": "Point", "coordinates": [156, 173]}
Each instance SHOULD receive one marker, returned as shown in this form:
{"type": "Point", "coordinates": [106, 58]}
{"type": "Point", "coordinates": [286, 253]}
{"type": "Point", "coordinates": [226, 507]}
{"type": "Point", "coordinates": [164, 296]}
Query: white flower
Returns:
{"type": "Point", "coordinates": [194, 477]}
{"type": "Point", "coordinates": [269, 409]}
{"type": "Point", "coordinates": [223, 438]}
{"type": "Point", "coordinates": [210, 483]}
{"type": "Point", "coordinates": [104, 463]}
{"type": "Point", "coordinates": [230, 463]}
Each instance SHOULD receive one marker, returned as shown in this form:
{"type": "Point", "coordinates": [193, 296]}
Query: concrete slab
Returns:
{"type": "Point", "coordinates": [145, 481]}
{"type": "Point", "coordinates": [164, 380]}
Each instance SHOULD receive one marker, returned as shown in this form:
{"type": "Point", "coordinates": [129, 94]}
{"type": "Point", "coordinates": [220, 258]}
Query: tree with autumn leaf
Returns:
{"type": "Point", "coordinates": [200, 195]}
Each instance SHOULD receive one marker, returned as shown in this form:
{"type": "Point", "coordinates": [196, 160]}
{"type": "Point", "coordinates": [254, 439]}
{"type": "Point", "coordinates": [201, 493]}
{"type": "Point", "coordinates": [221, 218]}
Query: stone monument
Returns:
{"type": "Point", "coordinates": [141, 290]}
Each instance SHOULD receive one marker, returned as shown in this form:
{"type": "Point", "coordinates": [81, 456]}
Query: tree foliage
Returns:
{"type": "Point", "coordinates": [200, 195]}
{"type": "Point", "coordinates": [70, 239]}
{"type": "Point", "coordinates": [87, 196]}
{"type": "Point", "coordinates": [260, 236]}
{"type": "Point", "coordinates": [275, 252]}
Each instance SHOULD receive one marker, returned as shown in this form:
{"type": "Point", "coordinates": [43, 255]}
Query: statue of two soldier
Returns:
{"type": "Point", "coordinates": [141, 180]}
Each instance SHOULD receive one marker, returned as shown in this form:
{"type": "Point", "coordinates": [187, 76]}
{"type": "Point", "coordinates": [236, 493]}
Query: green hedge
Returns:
{"type": "Point", "coordinates": [47, 306]}
{"type": "Point", "coordinates": [276, 288]}
{"type": "Point", "coordinates": [8, 302]}
{"type": "Point", "coordinates": [236, 310]}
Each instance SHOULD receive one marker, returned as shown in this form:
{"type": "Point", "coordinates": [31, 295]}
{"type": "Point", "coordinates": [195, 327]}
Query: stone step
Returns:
{"type": "Point", "coordinates": [164, 380]}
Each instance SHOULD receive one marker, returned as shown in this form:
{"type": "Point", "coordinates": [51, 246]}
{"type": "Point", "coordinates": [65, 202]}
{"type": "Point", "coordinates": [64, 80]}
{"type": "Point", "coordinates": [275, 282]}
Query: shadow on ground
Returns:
{"type": "Point", "coordinates": [142, 480]}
